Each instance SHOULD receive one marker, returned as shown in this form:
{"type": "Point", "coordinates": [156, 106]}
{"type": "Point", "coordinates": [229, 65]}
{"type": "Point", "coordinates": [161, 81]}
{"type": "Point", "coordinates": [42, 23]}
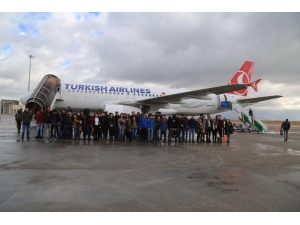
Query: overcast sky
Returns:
{"type": "Point", "coordinates": [182, 50]}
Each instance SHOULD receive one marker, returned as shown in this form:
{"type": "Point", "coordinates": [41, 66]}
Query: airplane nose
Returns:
{"type": "Point", "coordinates": [25, 97]}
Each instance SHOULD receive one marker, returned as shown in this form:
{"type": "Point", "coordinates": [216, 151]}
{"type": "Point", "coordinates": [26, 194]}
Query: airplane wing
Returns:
{"type": "Point", "coordinates": [259, 99]}
{"type": "Point", "coordinates": [197, 94]}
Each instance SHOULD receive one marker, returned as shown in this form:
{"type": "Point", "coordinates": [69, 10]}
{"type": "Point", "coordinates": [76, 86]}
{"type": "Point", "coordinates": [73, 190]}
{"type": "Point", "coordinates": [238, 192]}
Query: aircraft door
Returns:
{"type": "Point", "coordinates": [224, 103]}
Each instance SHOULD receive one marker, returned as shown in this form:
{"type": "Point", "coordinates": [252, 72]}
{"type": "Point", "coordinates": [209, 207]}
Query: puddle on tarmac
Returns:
{"type": "Point", "coordinates": [268, 150]}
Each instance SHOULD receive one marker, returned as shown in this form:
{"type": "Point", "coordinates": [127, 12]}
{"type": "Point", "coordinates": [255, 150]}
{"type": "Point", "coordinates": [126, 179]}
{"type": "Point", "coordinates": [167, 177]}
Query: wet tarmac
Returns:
{"type": "Point", "coordinates": [255, 172]}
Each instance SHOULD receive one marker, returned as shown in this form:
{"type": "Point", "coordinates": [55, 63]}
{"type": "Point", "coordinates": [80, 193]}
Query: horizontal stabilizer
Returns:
{"type": "Point", "coordinates": [259, 99]}
{"type": "Point", "coordinates": [254, 84]}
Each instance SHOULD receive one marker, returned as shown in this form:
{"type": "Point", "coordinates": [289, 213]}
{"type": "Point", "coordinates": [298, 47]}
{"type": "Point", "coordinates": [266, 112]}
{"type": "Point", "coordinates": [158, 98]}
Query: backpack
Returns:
{"type": "Point", "coordinates": [18, 117]}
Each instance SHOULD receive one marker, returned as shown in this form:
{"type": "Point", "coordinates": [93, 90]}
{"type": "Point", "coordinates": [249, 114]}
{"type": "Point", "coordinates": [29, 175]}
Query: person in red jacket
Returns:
{"type": "Point", "coordinates": [39, 118]}
{"type": "Point", "coordinates": [90, 123]}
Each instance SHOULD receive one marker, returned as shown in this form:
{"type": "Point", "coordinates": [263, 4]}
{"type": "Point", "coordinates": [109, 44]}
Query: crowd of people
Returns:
{"type": "Point", "coordinates": [66, 124]}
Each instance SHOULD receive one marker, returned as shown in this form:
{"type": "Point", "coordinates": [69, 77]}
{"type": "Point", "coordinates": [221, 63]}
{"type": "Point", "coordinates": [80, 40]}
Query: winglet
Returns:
{"type": "Point", "coordinates": [254, 84]}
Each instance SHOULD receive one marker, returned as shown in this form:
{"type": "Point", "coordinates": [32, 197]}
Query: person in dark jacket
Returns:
{"type": "Point", "coordinates": [111, 123]}
{"type": "Point", "coordinates": [228, 129]}
{"type": "Point", "coordinates": [285, 126]}
{"type": "Point", "coordinates": [171, 121]}
{"type": "Point", "coordinates": [250, 112]}
{"type": "Point", "coordinates": [117, 131]}
{"type": "Point", "coordinates": [192, 127]}
{"type": "Point", "coordinates": [156, 128]}
{"type": "Point", "coordinates": [63, 122]}
{"type": "Point", "coordinates": [179, 127]}
{"type": "Point", "coordinates": [220, 128]}
{"type": "Point", "coordinates": [121, 127]}
{"type": "Point", "coordinates": [104, 128]}
{"type": "Point", "coordinates": [163, 125]}
{"type": "Point", "coordinates": [39, 124]}
{"type": "Point", "coordinates": [56, 124]}
{"type": "Point", "coordinates": [185, 128]}
{"type": "Point", "coordinates": [68, 122]}
{"type": "Point", "coordinates": [203, 132]}
{"type": "Point", "coordinates": [214, 130]}
{"type": "Point", "coordinates": [85, 125]}
{"type": "Point", "coordinates": [77, 122]}
{"type": "Point", "coordinates": [47, 121]}
{"type": "Point", "coordinates": [18, 118]}
{"type": "Point", "coordinates": [26, 119]}
{"type": "Point", "coordinates": [138, 134]}
{"type": "Point", "coordinates": [127, 127]}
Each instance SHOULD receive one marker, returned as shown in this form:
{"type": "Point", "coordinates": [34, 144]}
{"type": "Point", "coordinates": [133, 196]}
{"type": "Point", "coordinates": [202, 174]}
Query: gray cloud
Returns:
{"type": "Point", "coordinates": [189, 50]}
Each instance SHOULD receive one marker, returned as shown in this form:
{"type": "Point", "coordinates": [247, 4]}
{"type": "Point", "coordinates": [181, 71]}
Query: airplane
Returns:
{"type": "Point", "coordinates": [100, 97]}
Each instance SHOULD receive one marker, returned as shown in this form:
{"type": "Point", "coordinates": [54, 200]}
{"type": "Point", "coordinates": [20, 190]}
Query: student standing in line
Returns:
{"type": "Point", "coordinates": [117, 117]}
{"type": "Point", "coordinates": [134, 128]}
{"type": "Point", "coordinates": [184, 128]}
{"type": "Point", "coordinates": [56, 124]}
{"type": "Point", "coordinates": [199, 127]}
{"type": "Point", "coordinates": [208, 129]}
{"type": "Point", "coordinates": [163, 125]}
{"type": "Point", "coordinates": [39, 124]}
{"type": "Point", "coordinates": [96, 127]}
{"type": "Point", "coordinates": [214, 130]}
{"type": "Point", "coordinates": [121, 126]}
{"type": "Point", "coordinates": [228, 129]}
{"type": "Point", "coordinates": [156, 128]}
{"type": "Point", "coordinates": [143, 125]}
{"type": "Point", "coordinates": [128, 128]}
{"type": "Point", "coordinates": [111, 123]}
{"type": "Point", "coordinates": [171, 121]}
{"type": "Point", "coordinates": [151, 124]}
{"type": "Point", "coordinates": [179, 126]}
{"type": "Point", "coordinates": [220, 128]}
{"type": "Point", "coordinates": [47, 121]}
{"type": "Point", "coordinates": [78, 123]}
{"type": "Point", "coordinates": [26, 119]}
{"type": "Point", "coordinates": [192, 123]}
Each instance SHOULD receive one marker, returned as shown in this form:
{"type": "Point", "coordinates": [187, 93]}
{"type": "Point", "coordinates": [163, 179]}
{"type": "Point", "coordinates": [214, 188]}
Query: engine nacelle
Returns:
{"type": "Point", "coordinates": [112, 108]}
{"type": "Point", "coordinates": [193, 103]}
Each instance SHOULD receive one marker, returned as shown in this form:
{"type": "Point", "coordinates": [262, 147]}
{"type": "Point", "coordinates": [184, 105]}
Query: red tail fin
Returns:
{"type": "Point", "coordinates": [243, 76]}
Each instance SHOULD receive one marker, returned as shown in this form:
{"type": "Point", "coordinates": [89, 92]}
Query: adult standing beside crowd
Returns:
{"type": "Point", "coordinates": [18, 118]}
{"type": "Point", "coordinates": [285, 126]}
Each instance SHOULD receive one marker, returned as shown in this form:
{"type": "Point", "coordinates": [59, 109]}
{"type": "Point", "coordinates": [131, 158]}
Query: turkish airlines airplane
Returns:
{"type": "Point", "coordinates": [97, 97]}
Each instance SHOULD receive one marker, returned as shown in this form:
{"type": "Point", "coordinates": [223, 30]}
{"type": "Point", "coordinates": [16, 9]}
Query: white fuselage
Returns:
{"type": "Point", "coordinates": [106, 98]}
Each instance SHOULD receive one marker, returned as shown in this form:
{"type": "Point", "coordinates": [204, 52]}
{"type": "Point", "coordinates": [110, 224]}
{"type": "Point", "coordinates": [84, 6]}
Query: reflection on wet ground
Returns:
{"type": "Point", "coordinates": [255, 172]}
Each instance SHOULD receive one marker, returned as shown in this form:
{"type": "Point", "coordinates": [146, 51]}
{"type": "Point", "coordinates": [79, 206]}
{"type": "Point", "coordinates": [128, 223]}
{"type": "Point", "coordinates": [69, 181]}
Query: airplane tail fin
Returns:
{"type": "Point", "coordinates": [243, 76]}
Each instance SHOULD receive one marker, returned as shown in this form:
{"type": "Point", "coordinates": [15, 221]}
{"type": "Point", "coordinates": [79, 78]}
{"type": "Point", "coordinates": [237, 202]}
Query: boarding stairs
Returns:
{"type": "Point", "coordinates": [45, 94]}
{"type": "Point", "coordinates": [253, 122]}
